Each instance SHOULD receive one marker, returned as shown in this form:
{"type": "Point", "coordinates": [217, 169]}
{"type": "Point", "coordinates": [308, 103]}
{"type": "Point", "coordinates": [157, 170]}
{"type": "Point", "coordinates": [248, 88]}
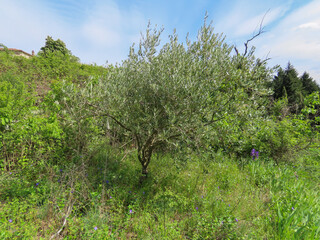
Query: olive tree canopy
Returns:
{"type": "Point", "coordinates": [172, 93]}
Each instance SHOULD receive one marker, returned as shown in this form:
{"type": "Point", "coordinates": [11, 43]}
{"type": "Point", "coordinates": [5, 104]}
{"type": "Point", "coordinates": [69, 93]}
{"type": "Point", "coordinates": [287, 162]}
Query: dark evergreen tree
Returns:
{"type": "Point", "coordinates": [288, 84]}
{"type": "Point", "coordinates": [308, 84]}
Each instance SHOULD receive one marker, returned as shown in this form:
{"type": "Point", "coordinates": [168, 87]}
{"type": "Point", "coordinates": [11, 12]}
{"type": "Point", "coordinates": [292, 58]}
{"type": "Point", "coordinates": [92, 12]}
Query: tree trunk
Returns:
{"type": "Point", "coordinates": [144, 175]}
{"type": "Point", "coordinates": [144, 155]}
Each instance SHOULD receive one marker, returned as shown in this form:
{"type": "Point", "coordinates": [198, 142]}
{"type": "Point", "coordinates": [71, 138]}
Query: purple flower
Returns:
{"type": "Point", "coordinates": [197, 208]}
{"type": "Point", "coordinates": [37, 184]}
{"type": "Point", "coordinates": [253, 151]}
{"type": "Point", "coordinates": [10, 220]}
{"type": "Point", "coordinates": [107, 181]}
{"type": "Point", "coordinates": [130, 211]}
{"type": "Point", "coordinates": [254, 154]}
{"type": "Point", "coordinates": [10, 173]}
{"type": "Point", "coordinates": [95, 228]}
{"type": "Point", "coordinates": [60, 170]}
{"type": "Point", "coordinates": [110, 197]}
{"type": "Point", "coordinates": [236, 220]}
{"type": "Point", "coordinates": [292, 208]}
{"type": "Point", "coordinates": [218, 187]}
{"type": "Point", "coordinates": [221, 222]}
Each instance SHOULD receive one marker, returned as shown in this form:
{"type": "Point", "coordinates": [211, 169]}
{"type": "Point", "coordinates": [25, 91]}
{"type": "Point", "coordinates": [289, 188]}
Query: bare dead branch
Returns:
{"type": "Point", "coordinates": [64, 222]}
{"type": "Point", "coordinates": [261, 30]}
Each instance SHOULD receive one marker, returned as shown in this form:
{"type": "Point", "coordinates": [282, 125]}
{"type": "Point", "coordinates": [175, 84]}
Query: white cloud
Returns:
{"type": "Point", "coordinates": [110, 31]}
{"type": "Point", "coordinates": [243, 18]}
{"type": "Point", "coordinates": [296, 39]}
{"type": "Point", "coordinates": [108, 26]}
{"type": "Point", "coordinates": [311, 25]}
{"type": "Point", "coordinates": [105, 31]}
{"type": "Point", "coordinates": [25, 26]}
{"type": "Point", "coordinates": [101, 36]}
{"type": "Point", "coordinates": [252, 24]}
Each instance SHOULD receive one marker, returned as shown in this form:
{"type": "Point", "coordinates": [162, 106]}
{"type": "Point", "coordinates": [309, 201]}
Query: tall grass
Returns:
{"type": "Point", "coordinates": [185, 197]}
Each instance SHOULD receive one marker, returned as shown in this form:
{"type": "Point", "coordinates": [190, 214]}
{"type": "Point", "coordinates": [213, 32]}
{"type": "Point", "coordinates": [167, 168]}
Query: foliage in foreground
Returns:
{"type": "Point", "coordinates": [196, 198]}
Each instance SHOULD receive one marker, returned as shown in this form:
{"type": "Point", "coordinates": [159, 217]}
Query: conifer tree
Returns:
{"type": "Point", "coordinates": [308, 84]}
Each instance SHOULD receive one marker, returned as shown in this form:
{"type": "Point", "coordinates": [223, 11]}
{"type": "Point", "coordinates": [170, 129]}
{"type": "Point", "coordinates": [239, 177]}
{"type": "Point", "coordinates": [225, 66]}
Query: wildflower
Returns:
{"type": "Point", "coordinates": [110, 197]}
{"type": "Point", "coordinates": [254, 154]}
{"type": "Point", "coordinates": [95, 228]}
{"type": "Point", "coordinates": [37, 184]}
{"type": "Point", "coordinates": [10, 220]}
{"type": "Point", "coordinates": [221, 222]}
{"type": "Point", "coordinates": [229, 205]}
{"type": "Point", "coordinates": [218, 187]}
{"type": "Point", "coordinates": [236, 220]}
{"type": "Point", "coordinates": [130, 211]}
{"type": "Point", "coordinates": [253, 151]}
{"type": "Point", "coordinates": [197, 208]}
{"type": "Point", "coordinates": [292, 208]}
{"type": "Point", "coordinates": [60, 170]}
{"type": "Point", "coordinates": [143, 193]}
{"type": "Point", "coordinates": [107, 182]}
{"type": "Point", "coordinates": [10, 173]}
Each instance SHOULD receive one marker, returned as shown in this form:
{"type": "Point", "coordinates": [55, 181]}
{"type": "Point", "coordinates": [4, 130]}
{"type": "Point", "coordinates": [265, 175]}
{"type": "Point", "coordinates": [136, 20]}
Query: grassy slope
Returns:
{"type": "Point", "coordinates": [188, 195]}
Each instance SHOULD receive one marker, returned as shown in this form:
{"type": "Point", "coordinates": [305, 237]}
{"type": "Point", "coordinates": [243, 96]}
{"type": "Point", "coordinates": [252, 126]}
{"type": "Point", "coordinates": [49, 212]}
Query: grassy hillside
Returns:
{"type": "Point", "coordinates": [69, 170]}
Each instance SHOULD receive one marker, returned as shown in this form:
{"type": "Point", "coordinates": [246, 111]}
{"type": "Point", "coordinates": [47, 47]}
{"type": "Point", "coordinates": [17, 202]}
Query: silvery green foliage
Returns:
{"type": "Point", "coordinates": [161, 95]}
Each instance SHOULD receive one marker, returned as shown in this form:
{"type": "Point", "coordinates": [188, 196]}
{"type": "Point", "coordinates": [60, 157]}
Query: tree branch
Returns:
{"type": "Point", "coordinates": [261, 30]}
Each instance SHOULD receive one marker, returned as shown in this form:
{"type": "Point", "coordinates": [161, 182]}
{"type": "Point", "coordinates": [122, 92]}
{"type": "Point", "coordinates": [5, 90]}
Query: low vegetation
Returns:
{"type": "Point", "coordinates": [179, 141]}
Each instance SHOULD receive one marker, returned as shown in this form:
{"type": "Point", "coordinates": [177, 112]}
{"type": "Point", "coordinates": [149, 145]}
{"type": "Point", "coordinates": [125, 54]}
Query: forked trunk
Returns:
{"type": "Point", "coordinates": [144, 154]}
{"type": "Point", "coordinates": [144, 158]}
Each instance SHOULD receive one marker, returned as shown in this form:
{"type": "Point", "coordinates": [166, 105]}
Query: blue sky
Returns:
{"type": "Point", "coordinates": [103, 30]}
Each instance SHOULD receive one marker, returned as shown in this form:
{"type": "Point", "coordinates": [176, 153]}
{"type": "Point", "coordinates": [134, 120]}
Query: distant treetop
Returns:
{"type": "Point", "coordinates": [55, 46]}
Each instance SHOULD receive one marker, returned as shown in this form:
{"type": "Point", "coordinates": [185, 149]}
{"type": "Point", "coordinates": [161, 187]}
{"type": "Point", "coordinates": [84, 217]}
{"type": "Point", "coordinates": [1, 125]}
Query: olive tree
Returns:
{"type": "Point", "coordinates": [170, 93]}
